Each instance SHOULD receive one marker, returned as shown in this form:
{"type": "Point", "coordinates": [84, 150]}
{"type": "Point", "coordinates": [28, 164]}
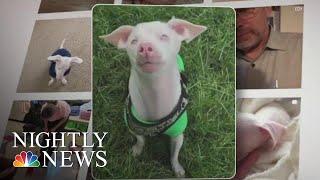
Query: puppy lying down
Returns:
{"type": "Point", "coordinates": [267, 140]}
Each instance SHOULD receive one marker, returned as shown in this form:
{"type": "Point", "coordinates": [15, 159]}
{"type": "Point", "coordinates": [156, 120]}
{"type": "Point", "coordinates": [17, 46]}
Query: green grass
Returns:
{"type": "Point", "coordinates": [209, 146]}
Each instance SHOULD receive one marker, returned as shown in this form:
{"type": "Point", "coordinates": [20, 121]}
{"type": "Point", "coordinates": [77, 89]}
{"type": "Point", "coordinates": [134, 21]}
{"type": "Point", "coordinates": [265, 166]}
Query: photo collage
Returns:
{"type": "Point", "coordinates": [196, 89]}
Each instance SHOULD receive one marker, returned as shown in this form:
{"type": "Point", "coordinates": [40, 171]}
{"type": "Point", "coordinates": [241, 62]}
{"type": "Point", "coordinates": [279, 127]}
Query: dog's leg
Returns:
{"type": "Point", "coordinates": [137, 148]}
{"type": "Point", "coordinates": [64, 81]}
{"type": "Point", "coordinates": [51, 81]}
{"type": "Point", "coordinates": [176, 144]}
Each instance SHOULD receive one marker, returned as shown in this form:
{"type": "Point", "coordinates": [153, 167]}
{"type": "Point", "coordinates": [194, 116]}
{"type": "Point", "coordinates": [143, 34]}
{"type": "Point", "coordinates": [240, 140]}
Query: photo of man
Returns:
{"type": "Point", "coordinates": [266, 58]}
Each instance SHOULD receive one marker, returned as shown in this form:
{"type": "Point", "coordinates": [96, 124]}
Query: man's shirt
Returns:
{"type": "Point", "coordinates": [279, 66]}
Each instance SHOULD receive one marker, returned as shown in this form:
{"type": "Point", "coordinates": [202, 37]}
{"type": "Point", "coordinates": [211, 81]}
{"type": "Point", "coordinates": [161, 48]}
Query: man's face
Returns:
{"type": "Point", "coordinates": [252, 27]}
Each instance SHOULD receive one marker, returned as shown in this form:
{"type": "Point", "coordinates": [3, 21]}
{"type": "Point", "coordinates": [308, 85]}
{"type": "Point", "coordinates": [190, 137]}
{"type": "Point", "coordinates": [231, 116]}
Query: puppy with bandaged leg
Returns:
{"type": "Point", "coordinates": [60, 64]}
{"type": "Point", "coordinates": [157, 94]}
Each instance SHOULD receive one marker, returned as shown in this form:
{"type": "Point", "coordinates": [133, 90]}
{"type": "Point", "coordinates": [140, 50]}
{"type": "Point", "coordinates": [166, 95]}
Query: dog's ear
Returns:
{"type": "Point", "coordinates": [186, 30]}
{"type": "Point", "coordinates": [274, 130]}
{"type": "Point", "coordinates": [76, 60]}
{"type": "Point", "coordinates": [252, 134]}
{"type": "Point", "coordinates": [55, 58]}
{"type": "Point", "coordinates": [118, 37]}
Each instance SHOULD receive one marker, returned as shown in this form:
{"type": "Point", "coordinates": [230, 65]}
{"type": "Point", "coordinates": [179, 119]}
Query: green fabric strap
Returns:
{"type": "Point", "coordinates": [179, 126]}
{"type": "Point", "coordinates": [180, 63]}
{"type": "Point", "coordinates": [174, 130]}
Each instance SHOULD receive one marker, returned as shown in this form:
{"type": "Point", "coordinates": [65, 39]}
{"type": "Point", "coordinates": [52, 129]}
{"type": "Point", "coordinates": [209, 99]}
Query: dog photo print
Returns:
{"type": "Point", "coordinates": [164, 89]}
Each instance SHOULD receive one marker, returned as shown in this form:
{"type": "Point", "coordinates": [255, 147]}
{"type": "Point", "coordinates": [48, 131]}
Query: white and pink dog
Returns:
{"type": "Point", "coordinates": [60, 64]}
{"type": "Point", "coordinates": [154, 84]}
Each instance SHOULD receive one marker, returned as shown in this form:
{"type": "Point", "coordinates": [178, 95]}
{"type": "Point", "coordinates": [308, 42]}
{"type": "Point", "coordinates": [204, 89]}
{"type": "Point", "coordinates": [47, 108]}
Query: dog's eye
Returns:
{"type": "Point", "coordinates": [164, 37]}
{"type": "Point", "coordinates": [134, 41]}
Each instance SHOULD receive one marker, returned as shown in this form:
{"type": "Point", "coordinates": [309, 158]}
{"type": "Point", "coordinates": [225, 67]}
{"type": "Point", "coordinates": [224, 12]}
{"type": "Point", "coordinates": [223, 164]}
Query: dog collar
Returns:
{"type": "Point", "coordinates": [173, 124]}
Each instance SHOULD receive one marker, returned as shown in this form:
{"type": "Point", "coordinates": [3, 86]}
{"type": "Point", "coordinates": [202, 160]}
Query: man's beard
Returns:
{"type": "Point", "coordinates": [250, 43]}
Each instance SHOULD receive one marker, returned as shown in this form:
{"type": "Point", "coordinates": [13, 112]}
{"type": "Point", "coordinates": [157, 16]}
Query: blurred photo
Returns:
{"type": "Point", "coordinates": [268, 138]}
{"type": "Point", "coordinates": [58, 59]}
{"type": "Point", "coordinates": [39, 117]}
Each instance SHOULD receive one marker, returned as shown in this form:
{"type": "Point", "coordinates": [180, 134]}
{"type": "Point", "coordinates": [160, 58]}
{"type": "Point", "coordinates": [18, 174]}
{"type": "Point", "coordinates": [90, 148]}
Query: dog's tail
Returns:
{"type": "Point", "coordinates": [62, 43]}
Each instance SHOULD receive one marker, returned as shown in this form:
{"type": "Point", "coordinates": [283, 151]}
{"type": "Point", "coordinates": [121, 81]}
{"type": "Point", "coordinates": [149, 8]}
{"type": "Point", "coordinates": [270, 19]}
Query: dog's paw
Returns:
{"type": "Point", "coordinates": [50, 82]}
{"type": "Point", "coordinates": [136, 150]}
{"type": "Point", "coordinates": [64, 81]}
{"type": "Point", "coordinates": [178, 170]}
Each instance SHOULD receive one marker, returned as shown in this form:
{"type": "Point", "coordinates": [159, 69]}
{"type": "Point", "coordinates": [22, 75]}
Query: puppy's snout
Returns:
{"type": "Point", "coordinates": [146, 49]}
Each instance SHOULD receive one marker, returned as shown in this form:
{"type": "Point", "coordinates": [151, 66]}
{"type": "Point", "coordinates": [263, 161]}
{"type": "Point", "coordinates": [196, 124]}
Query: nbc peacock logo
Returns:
{"type": "Point", "coordinates": [26, 159]}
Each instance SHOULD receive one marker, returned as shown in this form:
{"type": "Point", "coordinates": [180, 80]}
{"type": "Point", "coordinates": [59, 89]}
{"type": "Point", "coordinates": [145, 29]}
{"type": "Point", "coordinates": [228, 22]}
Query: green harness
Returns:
{"type": "Point", "coordinates": [172, 125]}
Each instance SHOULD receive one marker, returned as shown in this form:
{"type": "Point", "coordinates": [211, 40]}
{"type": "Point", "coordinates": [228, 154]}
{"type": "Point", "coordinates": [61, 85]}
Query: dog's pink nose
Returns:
{"type": "Point", "coordinates": [145, 49]}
